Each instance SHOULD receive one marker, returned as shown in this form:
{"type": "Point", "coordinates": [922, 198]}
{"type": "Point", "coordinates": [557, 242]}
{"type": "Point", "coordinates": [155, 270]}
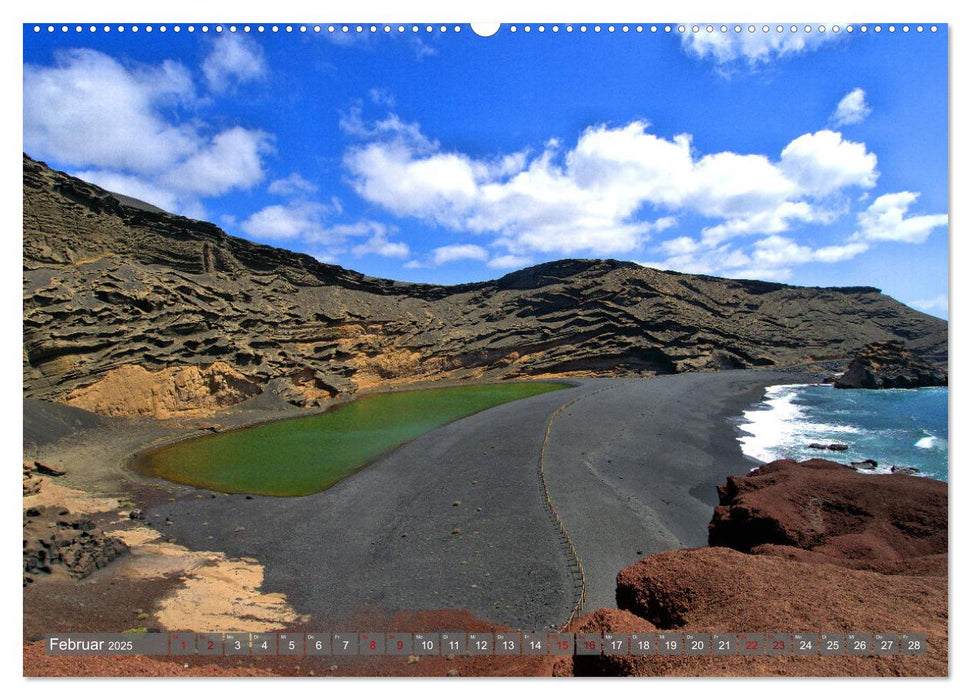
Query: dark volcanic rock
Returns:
{"type": "Point", "coordinates": [112, 290]}
{"type": "Point", "coordinates": [49, 469]}
{"type": "Point", "coordinates": [889, 365]}
{"type": "Point", "coordinates": [56, 541]}
{"type": "Point", "coordinates": [832, 446]}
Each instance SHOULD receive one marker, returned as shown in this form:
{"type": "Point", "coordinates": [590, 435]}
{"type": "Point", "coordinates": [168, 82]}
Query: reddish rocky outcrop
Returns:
{"type": "Point", "coordinates": [821, 511]}
{"type": "Point", "coordinates": [889, 365]}
{"type": "Point", "coordinates": [810, 547]}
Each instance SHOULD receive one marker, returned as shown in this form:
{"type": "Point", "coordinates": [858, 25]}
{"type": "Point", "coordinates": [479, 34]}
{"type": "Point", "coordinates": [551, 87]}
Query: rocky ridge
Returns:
{"type": "Point", "coordinates": [889, 365]}
{"type": "Point", "coordinates": [189, 319]}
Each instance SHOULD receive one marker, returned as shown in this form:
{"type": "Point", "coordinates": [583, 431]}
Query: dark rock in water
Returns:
{"type": "Point", "coordinates": [889, 365]}
{"type": "Point", "coordinates": [832, 446]}
{"type": "Point", "coordinates": [864, 464]}
{"type": "Point", "coordinates": [136, 514]}
{"type": "Point", "coordinates": [115, 293]}
{"type": "Point", "coordinates": [896, 469]}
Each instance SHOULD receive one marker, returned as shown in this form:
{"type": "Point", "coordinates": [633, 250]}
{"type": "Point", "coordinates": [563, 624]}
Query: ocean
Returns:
{"type": "Point", "coordinates": [904, 427]}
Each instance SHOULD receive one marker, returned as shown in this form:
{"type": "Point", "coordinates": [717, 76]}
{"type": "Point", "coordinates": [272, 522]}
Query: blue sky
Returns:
{"type": "Point", "coordinates": [816, 159]}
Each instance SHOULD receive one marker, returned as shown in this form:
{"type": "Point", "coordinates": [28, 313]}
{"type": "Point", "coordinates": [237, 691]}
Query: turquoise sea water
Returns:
{"type": "Point", "coordinates": [905, 427]}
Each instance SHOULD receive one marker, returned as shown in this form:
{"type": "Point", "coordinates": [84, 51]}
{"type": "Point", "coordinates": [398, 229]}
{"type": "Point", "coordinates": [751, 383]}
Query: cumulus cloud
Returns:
{"type": "Point", "coordinates": [290, 185]}
{"type": "Point", "coordinates": [769, 258]}
{"type": "Point", "coordinates": [235, 59]}
{"type": "Point", "coordinates": [609, 193]}
{"type": "Point", "coordinates": [509, 262]}
{"type": "Point", "coordinates": [852, 109]}
{"type": "Point", "coordinates": [278, 222]}
{"type": "Point", "coordinates": [886, 220]}
{"type": "Point", "coordinates": [89, 110]}
{"type": "Point", "coordinates": [118, 123]}
{"type": "Point", "coordinates": [308, 223]}
{"type": "Point", "coordinates": [751, 48]}
{"type": "Point", "coordinates": [233, 159]}
{"type": "Point", "coordinates": [823, 162]}
{"type": "Point", "coordinates": [378, 243]}
{"type": "Point", "coordinates": [459, 251]}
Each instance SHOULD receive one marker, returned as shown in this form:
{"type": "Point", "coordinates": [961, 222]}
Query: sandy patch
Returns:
{"type": "Point", "coordinates": [218, 594]}
{"type": "Point", "coordinates": [75, 500]}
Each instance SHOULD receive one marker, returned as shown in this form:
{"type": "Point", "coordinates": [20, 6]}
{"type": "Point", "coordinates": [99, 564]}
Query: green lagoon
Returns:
{"type": "Point", "coordinates": [301, 456]}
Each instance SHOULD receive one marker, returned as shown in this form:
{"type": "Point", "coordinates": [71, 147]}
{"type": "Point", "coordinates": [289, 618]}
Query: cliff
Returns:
{"type": "Point", "coordinates": [111, 288]}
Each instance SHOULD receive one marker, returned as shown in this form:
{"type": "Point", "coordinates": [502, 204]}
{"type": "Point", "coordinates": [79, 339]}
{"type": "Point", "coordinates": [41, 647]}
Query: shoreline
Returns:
{"type": "Point", "coordinates": [693, 421]}
{"type": "Point", "coordinates": [130, 462]}
{"type": "Point", "coordinates": [800, 420]}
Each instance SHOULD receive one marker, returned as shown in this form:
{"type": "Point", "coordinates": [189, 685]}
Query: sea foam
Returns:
{"type": "Point", "coordinates": [779, 428]}
{"type": "Point", "coordinates": [902, 427]}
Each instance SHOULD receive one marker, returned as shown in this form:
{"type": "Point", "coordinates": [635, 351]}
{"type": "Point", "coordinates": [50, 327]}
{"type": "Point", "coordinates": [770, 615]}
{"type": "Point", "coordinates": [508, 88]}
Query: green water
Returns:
{"type": "Point", "coordinates": [305, 455]}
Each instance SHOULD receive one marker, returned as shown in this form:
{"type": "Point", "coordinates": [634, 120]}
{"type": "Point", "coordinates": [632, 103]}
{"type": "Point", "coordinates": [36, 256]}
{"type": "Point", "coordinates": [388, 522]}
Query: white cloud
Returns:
{"type": "Point", "coordinates": [770, 258]}
{"type": "Point", "coordinates": [308, 223]}
{"type": "Point", "coordinates": [509, 262]}
{"type": "Point", "coordinates": [751, 48]}
{"type": "Point", "coordinates": [232, 160]}
{"type": "Point", "coordinates": [886, 220]}
{"type": "Point", "coordinates": [89, 110]}
{"type": "Point", "coordinates": [378, 243]}
{"type": "Point", "coordinates": [459, 251]}
{"type": "Point", "coordinates": [607, 194]}
{"type": "Point", "coordinates": [115, 122]}
{"type": "Point", "coordinates": [852, 109]}
{"type": "Point", "coordinates": [235, 59]}
{"type": "Point", "coordinates": [290, 185]}
{"type": "Point", "coordinates": [823, 162]}
{"type": "Point", "coordinates": [779, 251]}
{"type": "Point", "coordinates": [277, 222]}
{"type": "Point", "coordinates": [380, 96]}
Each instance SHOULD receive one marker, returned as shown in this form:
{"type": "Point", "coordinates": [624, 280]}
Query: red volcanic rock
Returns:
{"type": "Point", "coordinates": [716, 590]}
{"type": "Point", "coordinates": [713, 589]}
{"type": "Point", "coordinates": [824, 549]}
{"type": "Point", "coordinates": [602, 621]}
{"type": "Point", "coordinates": [821, 511]}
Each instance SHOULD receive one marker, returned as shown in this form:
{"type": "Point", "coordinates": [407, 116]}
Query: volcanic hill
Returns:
{"type": "Point", "coordinates": [130, 310]}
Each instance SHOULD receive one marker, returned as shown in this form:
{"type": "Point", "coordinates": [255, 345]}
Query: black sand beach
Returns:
{"type": "Point", "coordinates": [456, 518]}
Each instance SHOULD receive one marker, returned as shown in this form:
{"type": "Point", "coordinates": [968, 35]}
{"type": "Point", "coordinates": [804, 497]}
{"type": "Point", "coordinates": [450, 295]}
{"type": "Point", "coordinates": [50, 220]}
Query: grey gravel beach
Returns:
{"type": "Point", "coordinates": [458, 519]}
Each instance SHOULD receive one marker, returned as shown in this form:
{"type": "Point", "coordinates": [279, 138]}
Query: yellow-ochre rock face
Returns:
{"type": "Point", "coordinates": [190, 319]}
{"type": "Point", "coordinates": [131, 390]}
